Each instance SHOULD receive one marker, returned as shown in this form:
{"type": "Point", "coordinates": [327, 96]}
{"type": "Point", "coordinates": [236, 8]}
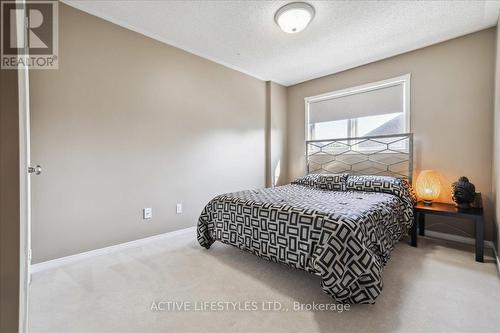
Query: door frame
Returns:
{"type": "Point", "coordinates": [24, 183]}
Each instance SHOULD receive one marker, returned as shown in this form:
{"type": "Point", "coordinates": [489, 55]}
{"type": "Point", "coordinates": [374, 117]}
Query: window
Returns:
{"type": "Point", "coordinates": [377, 108]}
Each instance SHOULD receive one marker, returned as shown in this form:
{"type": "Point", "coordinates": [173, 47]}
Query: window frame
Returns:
{"type": "Point", "coordinates": [403, 80]}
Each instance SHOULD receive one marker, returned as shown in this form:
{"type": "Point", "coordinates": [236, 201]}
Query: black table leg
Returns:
{"type": "Point", "coordinates": [479, 231]}
{"type": "Point", "coordinates": [413, 231]}
{"type": "Point", "coordinates": [421, 224]}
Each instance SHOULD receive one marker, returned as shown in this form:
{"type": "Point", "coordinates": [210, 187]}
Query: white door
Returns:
{"type": "Point", "coordinates": [26, 172]}
{"type": "Point", "coordinates": [25, 199]}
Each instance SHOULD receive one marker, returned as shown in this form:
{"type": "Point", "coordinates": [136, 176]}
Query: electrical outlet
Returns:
{"type": "Point", "coordinates": [178, 208]}
{"type": "Point", "coordinates": [147, 213]}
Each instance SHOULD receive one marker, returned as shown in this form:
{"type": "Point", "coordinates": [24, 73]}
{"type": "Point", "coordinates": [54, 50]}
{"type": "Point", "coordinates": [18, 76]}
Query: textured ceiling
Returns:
{"type": "Point", "coordinates": [344, 34]}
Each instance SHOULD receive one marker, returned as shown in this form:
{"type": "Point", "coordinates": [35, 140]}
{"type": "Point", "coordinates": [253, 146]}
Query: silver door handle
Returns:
{"type": "Point", "coordinates": [37, 170]}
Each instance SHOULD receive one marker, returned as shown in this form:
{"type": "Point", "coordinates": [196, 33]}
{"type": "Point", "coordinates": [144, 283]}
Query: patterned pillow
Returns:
{"type": "Point", "coordinates": [310, 180]}
{"type": "Point", "coordinates": [332, 182]}
{"type": "Point", "coordinates": [329, 182]}
{"type": "Point", "coordinates": [392, 185]}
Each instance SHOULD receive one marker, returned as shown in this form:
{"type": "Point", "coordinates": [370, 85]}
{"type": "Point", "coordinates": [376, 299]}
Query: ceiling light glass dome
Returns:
{"type": "Point", "coordinates": [294, 17]}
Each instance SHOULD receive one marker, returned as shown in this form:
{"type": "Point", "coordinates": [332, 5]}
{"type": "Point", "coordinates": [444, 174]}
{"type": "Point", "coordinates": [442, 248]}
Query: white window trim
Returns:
{"type": "Point", "coordinates": [403, 79]}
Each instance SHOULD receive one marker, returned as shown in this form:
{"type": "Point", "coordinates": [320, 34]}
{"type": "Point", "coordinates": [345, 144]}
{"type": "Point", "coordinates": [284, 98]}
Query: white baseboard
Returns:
{"type": "Point", "coordinates": [495, 253]}
{"type": "Point", "coordinates": [55, 263]}
{"type": "Point", "coordinates": [455, 238]}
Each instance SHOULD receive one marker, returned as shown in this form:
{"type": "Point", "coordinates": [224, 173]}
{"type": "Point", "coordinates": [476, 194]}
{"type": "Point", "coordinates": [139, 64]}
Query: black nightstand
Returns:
{"type": "Point", "coordinates": [444, 209]}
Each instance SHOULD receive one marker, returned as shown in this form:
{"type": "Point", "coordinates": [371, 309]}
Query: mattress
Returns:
{"type": "Point", "coordinates": [344, 236]}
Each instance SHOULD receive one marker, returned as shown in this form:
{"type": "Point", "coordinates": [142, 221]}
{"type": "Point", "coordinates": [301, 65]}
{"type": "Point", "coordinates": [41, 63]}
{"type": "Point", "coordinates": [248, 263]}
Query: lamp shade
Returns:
{"type": "Point", "coordinates": [294, 17]}
{"type": "Point", "coordinates": [428, 186]}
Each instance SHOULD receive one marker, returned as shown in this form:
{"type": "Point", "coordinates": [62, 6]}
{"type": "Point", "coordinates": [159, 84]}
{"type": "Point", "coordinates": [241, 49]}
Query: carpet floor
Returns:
{"type": "Point", "coordinates": [174, 285]}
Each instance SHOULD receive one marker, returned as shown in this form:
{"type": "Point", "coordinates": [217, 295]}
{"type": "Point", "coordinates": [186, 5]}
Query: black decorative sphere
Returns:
{"type": "Point", "coordinates": [463, 192]}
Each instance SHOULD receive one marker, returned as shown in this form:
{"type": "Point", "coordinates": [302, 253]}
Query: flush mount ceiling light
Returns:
{"type": "Point", "coordinates": [294, 17]}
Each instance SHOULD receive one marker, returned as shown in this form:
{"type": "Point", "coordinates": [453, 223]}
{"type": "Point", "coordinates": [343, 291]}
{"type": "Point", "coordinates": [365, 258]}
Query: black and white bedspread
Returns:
{"type": "Point", "coordinates": [345, 234]}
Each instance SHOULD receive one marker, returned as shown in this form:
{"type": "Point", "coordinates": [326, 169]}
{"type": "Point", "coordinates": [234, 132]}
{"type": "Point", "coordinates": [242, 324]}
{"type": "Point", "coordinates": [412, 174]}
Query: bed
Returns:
{"type": "Point", "coordinates": [340, 221]}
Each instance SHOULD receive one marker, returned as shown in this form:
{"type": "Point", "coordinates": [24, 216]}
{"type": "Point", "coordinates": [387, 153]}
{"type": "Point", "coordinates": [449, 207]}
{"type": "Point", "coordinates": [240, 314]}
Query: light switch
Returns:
{"type": "Point", "coordinates": [147, 213]}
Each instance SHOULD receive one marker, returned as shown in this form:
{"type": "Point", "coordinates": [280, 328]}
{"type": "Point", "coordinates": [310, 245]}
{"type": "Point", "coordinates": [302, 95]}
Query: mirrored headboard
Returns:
{"type": "Point", "coordinates": [387, 155]}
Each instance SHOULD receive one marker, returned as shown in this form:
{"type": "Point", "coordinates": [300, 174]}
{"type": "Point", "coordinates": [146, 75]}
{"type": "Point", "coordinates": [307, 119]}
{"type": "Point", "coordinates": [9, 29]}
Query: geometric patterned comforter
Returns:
{"type": "Point", "coordinates": [345, 237]}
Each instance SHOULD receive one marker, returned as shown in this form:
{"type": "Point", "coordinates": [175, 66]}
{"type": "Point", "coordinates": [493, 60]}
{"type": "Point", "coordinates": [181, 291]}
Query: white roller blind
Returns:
{"type": "Point", "coordinates": [368, 103]}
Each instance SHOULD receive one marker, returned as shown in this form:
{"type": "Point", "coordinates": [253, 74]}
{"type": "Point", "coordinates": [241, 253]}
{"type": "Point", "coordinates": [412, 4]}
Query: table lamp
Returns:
{"type": "Point", "coordinates": [428, 186]}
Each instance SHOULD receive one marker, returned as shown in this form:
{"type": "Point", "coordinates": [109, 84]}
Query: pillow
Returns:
{"type": "Point", "coordinates": [385, 184]}
{"type": "Point", "coordinates": [310, 180]}
{"type": "Point", "coordinates": [332, 182]}
{"type": "Point", "coordinates": [328, 182]}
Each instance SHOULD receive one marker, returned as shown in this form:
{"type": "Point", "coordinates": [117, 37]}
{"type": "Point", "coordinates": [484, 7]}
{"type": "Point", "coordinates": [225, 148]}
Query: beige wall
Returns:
{"type": "Point", "coordinates": [496, 146]}
{"type": "Point", "coordinates": [451, 111]}
{"type": "Point", "coordinates": [128, 122]}
{"type": "Point", "coordinates": [276, 147]}
{"type": "Point", "coordinates": [9, 202]}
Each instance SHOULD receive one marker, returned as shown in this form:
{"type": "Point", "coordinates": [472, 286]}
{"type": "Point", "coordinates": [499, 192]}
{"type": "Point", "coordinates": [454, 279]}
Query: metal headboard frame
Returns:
{"type": "Point", "coordinates": [334, 155]}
